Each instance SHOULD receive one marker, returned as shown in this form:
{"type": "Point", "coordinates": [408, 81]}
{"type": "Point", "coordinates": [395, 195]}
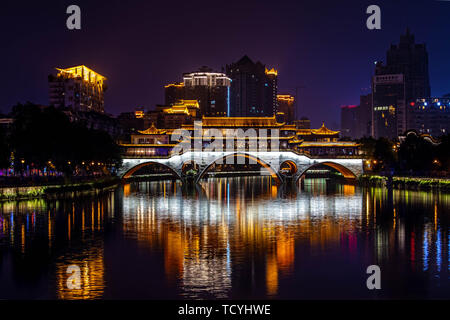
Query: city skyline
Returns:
{"type": "Point", "coordinates": [304, 51]}
{"type": "Point", "coordinates": [229, 159]}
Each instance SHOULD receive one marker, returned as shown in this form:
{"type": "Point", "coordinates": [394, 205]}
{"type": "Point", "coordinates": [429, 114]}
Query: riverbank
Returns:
{"type": "Point", "coordinates": [58, 191]}
{"type": "Point", "coordinates": [407, 183]}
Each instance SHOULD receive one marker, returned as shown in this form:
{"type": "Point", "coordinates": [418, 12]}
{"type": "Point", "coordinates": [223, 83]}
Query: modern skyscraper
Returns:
{"type": "Point", "coordinates": [253, 88]}
{"type": "Point", "coordinates": [388, 106]}
{"type": "Point", "coordinates": [271, 89]}
{"type": "Point", "coordinates": [405, 77]}
{"type": "Point", "coordinates": [209, 88]}
{"type": "Point", "coordinates": [411, 60]}
{"type": "Point", "coordinates": [79, 88]}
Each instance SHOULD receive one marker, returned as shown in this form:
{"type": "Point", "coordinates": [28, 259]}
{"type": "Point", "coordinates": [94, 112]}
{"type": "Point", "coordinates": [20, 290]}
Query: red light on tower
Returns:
{"type": "Point", "coordinates": [412, 104]}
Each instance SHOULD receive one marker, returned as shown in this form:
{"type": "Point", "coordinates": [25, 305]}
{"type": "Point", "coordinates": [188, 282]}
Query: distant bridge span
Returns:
{"type": "Point", "coordinates": [272, 161]}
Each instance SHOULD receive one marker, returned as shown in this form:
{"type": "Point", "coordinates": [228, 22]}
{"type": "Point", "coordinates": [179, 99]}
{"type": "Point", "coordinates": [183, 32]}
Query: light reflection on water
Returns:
{"type": "Point", "coordinates": [228, 238]}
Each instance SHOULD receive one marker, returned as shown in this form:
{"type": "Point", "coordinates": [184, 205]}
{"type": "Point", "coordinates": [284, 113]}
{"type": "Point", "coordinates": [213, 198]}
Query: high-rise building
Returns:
{"type": "Point", "coordinates": [79, 88]}
{"type": "Point", "coordinates": [253, 89]}
{"type": "Point", "coordinates": [271, 89]}
{"type": "Point", "coordinates": [209, 88]}
{"type": "Point", "coordinates": [286, 105]}
{"type": "Point", "coordinates": [173, 92]}
{"type": "Point", "coordinates": [411, 60]}
{"type": "Point", "coordinates": [348, 120]}
{"type": "Point", "coordinates": [388, 105]}
{"type": "Point", "coordinates": [364, 116]}
{"type": "Point", "coordinates": [403, 79]}
{"type": "Point", "coordinates": [430, 116]}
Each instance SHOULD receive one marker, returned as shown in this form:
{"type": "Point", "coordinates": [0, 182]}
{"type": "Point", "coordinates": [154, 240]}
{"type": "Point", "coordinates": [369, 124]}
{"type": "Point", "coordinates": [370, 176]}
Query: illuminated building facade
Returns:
{"type": "Point", "coordinates": [79, 88]}
{"type": "Point", "coordinates": [173, 92]}
{"type": "Point", "coordinates": [286, 105]}
{"type": "Point", "coordinates": [180, 113]}
{"type": "Point", "coordinates": [315, 142]}
{"type": "Point", "coordinates": [411, 60]}
{"type": "Point", "coordinates": [356, 121]}
{"type": "Point", "coordinates": [430, 116]}
{"type": "Point", "coordinates": [388, 106]}
{"type": "Point", "coordinates": [209, 88]}
{"type": "Point", "coordinates": [303, 123]}
{"type": "Point", "coordinates": [253, 89]}
{"type": "Point", "coordinates": [139, 119]}
{"type": "Point", "coordinates": [403, 79]}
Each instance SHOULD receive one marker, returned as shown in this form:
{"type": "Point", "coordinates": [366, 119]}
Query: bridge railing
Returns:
{"type": "Point", "coordinates": [127, 154]}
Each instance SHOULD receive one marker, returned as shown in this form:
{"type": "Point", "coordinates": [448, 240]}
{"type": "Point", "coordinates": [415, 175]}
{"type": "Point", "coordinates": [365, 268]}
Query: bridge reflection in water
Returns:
{"type": "Point", "coordinates": [229, 238]}
{"type": "Point", "coordinates": [222, 225]}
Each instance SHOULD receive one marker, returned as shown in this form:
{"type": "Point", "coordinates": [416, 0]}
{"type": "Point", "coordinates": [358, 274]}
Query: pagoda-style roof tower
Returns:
{"type": "Point", "coordinates": [324, 131]}
{"type": "Point", "coordinates": [153, 130]}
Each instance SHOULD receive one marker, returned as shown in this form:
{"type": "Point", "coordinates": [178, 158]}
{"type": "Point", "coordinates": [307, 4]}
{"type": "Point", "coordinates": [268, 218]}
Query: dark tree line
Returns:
{"type": "Point", "coordinates": [45, 137]}
{"type": "Point", "coordinates": [416, 155]}
{"type": "Point", "coordinates": [4, 149]}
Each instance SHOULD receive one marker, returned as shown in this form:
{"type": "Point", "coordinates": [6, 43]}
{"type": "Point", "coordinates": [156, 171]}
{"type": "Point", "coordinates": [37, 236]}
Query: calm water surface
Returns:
{"type": "Point", "coordinates": [229, 238]}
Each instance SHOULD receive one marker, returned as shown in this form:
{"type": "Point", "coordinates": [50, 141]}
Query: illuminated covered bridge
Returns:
{"type": "Point", "coordinates": [282, 165]}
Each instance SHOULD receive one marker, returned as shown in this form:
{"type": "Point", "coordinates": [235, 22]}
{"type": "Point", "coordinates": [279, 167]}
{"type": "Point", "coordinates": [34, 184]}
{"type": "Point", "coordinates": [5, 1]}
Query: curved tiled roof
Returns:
{"type": "Point", "coordinates": [153, 130]}
{"type": "Point", "coordinates": [324, 130]}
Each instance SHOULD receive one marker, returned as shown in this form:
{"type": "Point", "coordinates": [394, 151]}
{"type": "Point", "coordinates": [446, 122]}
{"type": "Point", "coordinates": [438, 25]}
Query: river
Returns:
{"type": "Point", "coordinates": [229, 238]}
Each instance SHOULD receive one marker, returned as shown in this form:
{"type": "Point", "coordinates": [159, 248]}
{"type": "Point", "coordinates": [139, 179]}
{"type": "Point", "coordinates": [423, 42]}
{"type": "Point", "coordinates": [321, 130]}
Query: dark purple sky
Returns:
{"type": "Point", "coordinates": [142, 45]}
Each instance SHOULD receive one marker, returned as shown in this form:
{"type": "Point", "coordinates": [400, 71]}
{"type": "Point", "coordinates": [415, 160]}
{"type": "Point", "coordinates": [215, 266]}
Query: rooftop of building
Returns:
{"type": "Point", "coordinates": [241, 122]}
{"type": "Point", "coordinates": [179, 107]}
{"type": "Point", "coordinates": [83, 72]}
{"type": "Point", "coordinates": [153, 131]}
{"type": "Point", "coordinates": [324, 131]}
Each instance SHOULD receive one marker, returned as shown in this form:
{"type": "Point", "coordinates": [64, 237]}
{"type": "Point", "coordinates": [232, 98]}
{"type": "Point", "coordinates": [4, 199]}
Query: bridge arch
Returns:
{"type": "Point", "coordinates": [288, 168]}
{"type": "Point", "coordinates": [132, 170]}
{"type": "Point", "coordinates": [346, 172]}
{"type": "Point", "coordinates": [189, 165]}
{"type": "Point", "coordinates": [262, 163]}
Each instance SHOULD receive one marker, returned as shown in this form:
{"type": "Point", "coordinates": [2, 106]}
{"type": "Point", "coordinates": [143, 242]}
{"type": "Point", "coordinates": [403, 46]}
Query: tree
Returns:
{"type": "Point", "coordinates": [46, 137]}
{"type": "Point", "coordinates": [382, 150]}
{"type": "Point", "coordinates": [367, 146]}
{"type": "Point", "coordinates": [416, 154]}
{"type": "Point", "coordinates": [443, 154]}
{"type": "Point", "coordinates": [4, 149]}
{"type": "Point", "coordinates": [385, 153]}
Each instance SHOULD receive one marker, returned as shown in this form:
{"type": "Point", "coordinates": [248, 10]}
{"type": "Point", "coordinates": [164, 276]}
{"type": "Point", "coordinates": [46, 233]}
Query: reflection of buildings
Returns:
{"type": "Point", "coordinates": [79, 88]}
{"type": "Point", "coordinates": [38, 229]}
{"type": "Point", "coordinates": [92, 275]}
{"type": "Point", "coordinates": [204, 241]}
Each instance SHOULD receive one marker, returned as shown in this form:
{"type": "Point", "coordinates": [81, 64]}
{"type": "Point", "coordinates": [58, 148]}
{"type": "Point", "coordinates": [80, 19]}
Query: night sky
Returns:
{"type": "Point", "coordinates": [142, 45]}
